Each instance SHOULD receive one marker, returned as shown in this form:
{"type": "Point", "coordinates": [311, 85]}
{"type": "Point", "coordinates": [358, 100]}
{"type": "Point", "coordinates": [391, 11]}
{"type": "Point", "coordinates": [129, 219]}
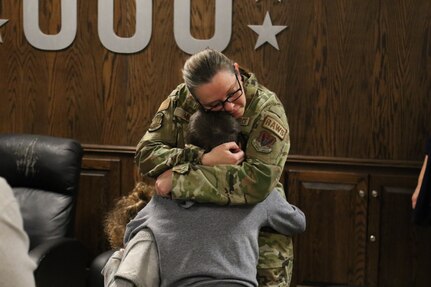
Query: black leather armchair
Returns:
{"type": "Point", "coordinates": [44, 174]}
{"type": "Point", "coordinates": [95, 276]}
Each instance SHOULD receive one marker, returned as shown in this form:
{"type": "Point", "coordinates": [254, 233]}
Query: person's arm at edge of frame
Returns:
{"type": "Point", "coordinates": [420, 179]}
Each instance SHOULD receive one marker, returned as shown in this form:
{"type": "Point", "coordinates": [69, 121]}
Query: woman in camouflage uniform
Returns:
{"type": "Point", "coordinates": [224, 175]}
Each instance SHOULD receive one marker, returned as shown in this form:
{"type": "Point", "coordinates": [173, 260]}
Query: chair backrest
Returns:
{"type": "Point", "coordinates": [44, 173]}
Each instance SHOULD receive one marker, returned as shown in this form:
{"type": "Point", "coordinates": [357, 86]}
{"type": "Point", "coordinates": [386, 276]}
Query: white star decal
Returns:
{"type": "Point", "coordinates": [2, 22]}
{"type": "Point", "coordinates": [267, 32]}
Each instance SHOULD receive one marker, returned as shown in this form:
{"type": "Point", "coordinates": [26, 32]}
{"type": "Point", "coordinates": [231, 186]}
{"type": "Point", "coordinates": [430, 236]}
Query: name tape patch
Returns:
{"type": "Point", "coordinates": [274, 126]}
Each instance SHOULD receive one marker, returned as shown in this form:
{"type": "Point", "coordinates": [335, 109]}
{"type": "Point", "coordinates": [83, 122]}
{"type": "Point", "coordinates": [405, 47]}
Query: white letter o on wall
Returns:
{"type": "Point", "coordinates": [43, 41]}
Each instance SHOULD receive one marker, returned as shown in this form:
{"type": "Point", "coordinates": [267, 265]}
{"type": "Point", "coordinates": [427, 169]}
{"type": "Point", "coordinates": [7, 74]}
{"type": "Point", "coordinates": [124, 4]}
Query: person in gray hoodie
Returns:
{"type": "Point", "coordinates": [205, 244]}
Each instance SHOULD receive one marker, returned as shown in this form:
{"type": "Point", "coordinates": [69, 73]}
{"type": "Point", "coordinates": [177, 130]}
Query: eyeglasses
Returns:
{"type": "Point", "coordinates": [232, 97]}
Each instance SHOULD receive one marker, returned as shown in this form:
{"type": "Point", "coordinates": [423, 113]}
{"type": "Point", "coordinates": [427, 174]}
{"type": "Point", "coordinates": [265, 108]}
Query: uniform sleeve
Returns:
{"type": "Point", "coordinates": [266, 153]}
{"type": "Point", "coordinates": [283, 217]}
{"type": "Point", "coordinates": [157, 151]}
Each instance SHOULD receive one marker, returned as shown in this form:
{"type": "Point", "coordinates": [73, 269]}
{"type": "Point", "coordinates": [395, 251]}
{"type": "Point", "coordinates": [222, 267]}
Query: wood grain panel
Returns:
{"type": "Point", "coordinates": [403, 247]}
{"type": "Point", "coordinates": [100, 185]}
{"type": "Point", "coordinates": [354, 76]}
{"type": "Point", "coordinates": [332, 250]}
{"type": "Point", "coordinates": [396, 80]}
{"type": "Point", "coordinates": [107, 174]}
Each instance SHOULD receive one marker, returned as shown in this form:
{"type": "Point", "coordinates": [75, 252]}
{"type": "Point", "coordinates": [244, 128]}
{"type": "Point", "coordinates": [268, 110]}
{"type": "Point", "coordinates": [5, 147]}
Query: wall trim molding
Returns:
{"type": "Point", "coordinates": [104, 149]}
{"type": "Point", "coordinates": [340, 161]}
{"type": "Point", "coordinates": [293, 160]}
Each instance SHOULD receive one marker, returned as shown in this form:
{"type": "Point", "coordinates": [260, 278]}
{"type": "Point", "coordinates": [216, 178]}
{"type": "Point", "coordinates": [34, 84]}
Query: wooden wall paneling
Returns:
{"type": "Point", "coordinates": [265, 61]}
{"type": "Point", "coordinates": [350, 54]}
{"type": "Point", "coordinates": [329, 62]}
{"type": "Point", "coordinates": [396, 96]}
{"type": "Point", "coordinates": [114, 69]}
{"type": "Point", "coordinates": [100, 185]}
{"type": "Point", "coordinates": [84, 85]}
{"type": "Point", "coordinates": [9, 71]}
{"type": "Point", "coordinates": [373, 235]}
{"type": "Point", "coordinates": [404, 252]}
{"type": "Point", "coordinates": [332, 249]}
{"type": "Point", "coordinates": [392, 244]}
{"type": "Point", "coordinates": [108, 172]}
{"type": "Point", "coordinates": [354, 75]}
{"type": "Point", "coordinates": [25, 94]}
{"type": "Point", "coordinates": [406, 55]}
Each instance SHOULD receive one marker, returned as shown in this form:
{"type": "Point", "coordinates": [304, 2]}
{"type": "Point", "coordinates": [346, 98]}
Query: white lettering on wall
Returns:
{"type": "Point", "coordinates": [144, 9]}
{"type": "Point", "coordinates": [43, 41]}
{"type": "Point", "coordinates": [127, 45]}
{"type": "Point", "coordinates": [223, 27]}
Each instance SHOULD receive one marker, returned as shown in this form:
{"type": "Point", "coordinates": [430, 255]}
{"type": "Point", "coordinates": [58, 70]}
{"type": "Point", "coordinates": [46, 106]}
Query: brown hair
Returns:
{"type": "Point", "coordinates": [200, 68]}
{"type": "Point", "coordinates": [125, 210]}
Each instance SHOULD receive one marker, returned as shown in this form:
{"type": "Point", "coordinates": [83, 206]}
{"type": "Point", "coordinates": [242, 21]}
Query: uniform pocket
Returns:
{"type": "Point", "coordinates": [275, 259]}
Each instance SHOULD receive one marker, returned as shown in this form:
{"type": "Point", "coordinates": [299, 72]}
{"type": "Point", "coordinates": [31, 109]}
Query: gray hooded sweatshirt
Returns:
{"type": "Point", "coordinates": [210, 245]}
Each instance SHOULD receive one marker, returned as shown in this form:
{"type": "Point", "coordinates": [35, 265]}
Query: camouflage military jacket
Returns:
{"type": "Point", "coordinates": [266, 132]}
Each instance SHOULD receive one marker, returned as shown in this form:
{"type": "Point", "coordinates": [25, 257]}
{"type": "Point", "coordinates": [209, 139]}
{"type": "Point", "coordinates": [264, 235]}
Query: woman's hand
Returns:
{"type": "Point", "coordinates": [163, 184]}
{"type": "Point", "coordinates": [415, 197]}
{"type": "Point", "coordinates": [226, 153]}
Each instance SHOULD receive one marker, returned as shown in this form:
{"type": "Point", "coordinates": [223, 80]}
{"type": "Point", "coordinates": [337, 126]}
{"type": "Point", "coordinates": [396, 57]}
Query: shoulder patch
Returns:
{"type": "Point", "coordinates": [164, 105]}
{"type": "Point", "coordinates": [156, 123]}
{"type": "Point", "coordinates": [264, 142]}
{"type": "Point", "coordinates": [273, 125]}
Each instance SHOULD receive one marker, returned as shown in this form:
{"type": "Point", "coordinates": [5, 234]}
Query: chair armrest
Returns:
{"type": "Point", "coordinates": [60, 262]}
{"type": "Point", "coordinates": [95, 276]}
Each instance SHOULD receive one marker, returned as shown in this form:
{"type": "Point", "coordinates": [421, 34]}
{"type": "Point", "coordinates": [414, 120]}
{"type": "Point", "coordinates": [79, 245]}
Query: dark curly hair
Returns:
{"type": "Point", "coordinates": [125, 210]}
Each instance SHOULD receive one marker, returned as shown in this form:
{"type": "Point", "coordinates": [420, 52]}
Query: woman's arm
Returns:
{"type": "Point", "coordinates": [266, 153]}
{"type": "Point", "coordinates": [420, 179]}
{"type": "Point", "coordinates": [267, 148]}
{"type": "Point", "coordinates": [158, 149]}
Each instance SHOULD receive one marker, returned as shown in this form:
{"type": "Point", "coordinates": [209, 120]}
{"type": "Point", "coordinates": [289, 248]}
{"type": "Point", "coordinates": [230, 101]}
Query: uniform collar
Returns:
{"type": "Point", "coordinates": [250, 85]}
{"type": "Point", "coordinates": [190, 102]}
